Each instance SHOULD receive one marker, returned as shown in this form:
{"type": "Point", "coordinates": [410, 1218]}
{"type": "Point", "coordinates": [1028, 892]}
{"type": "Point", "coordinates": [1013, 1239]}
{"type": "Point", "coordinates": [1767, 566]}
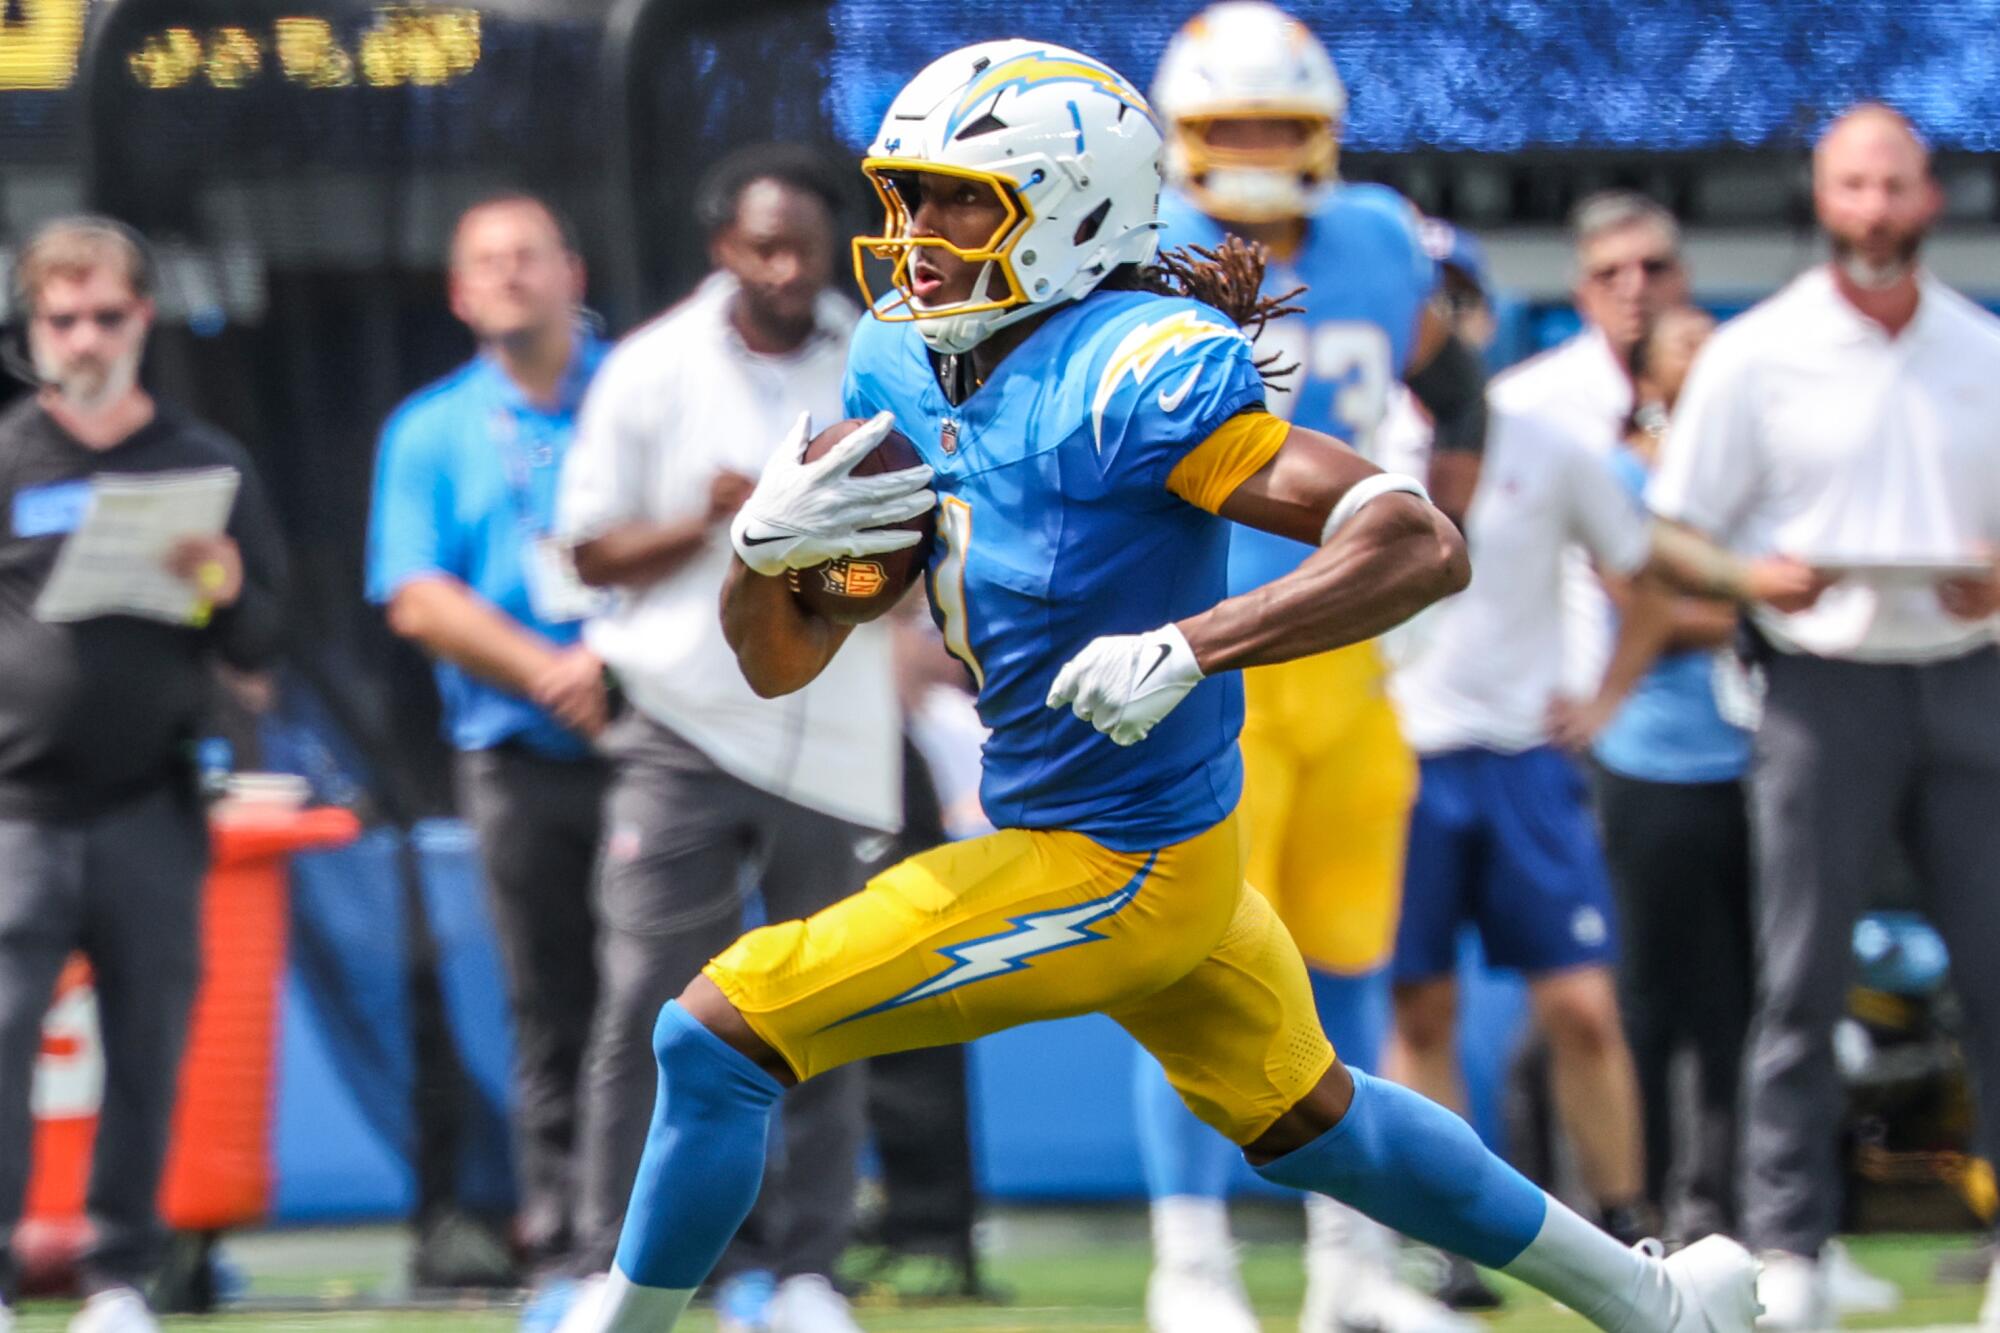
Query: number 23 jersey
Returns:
{"type": "Point", "coordinates": [1076, 490]}
{"type": "Point", "coordinates": [1367, 278]}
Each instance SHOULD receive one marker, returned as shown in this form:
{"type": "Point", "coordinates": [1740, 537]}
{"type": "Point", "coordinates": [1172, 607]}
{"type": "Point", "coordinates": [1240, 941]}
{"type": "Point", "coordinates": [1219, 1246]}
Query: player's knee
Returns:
{"type": "Point", "coordinates": [1312, 1115]}
{"type": "Point", "coordinates": [1427, 1015]}
{"type": "Point", "coordinates": [704, 1002]}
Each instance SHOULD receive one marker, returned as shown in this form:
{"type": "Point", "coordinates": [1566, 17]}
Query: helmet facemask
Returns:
{"type": "Point", "coordinates": [1268, 182]}
{"type": "Point", "coordinates": [995, 287]}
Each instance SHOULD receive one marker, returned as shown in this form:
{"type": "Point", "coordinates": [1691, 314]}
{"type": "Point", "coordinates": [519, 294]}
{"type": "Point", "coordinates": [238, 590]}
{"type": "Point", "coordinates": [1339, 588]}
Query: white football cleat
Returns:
{"type": "Point", "coordinates": [6, 1318]}
{"type": "Point", "coordinates": [1376, 1301]}
{"type": "Point", "coordinates": [1351, 1280]}
{"type": "Point", "coordinates": [115, 1310]}
{"type": "Point", "coordinates": [1989, 1305]}
{"type": "Point", "coordinates": [1852, 1289]}
{"type": "Point", "coordinates": [583, 1315]}
{"type": "Point", "coordinates": [1198, 1298]}
{"type": "Point", "coordinates": [1711, 1285]}
{"type": "Point", "coordinates": [809, 1304]}
{"type": "Point", "coordinates": [1794, 1293]}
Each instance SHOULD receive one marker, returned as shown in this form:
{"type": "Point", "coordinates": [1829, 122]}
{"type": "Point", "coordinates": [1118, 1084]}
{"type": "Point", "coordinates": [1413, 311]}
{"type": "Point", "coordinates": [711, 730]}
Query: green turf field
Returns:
{"type": "Point", "coordinates": [1058, 1279]}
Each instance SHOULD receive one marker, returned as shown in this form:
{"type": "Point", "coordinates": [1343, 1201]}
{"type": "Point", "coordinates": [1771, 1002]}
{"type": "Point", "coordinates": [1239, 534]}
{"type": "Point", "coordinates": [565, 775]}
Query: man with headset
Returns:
{"type": "Point", "coordinates": [103, 843]}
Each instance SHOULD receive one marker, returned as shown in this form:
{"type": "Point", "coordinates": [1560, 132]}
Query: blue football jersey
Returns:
{"type": "Point", "coordinates": [1055, 526]}
{"type": "Point", "coordinates": [1367, 277]}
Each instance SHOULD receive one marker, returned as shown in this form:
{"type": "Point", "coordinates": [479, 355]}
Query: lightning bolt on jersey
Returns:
{"type": "Point", "coordinates": [1367, 277]}
{"type": "Point", "coordinates": [1055, 525]}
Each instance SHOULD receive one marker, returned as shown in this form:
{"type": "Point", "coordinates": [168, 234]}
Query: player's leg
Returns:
{"type": "Point", "coordinates": [1545, 908]}
{"type": "Point", "coordinates": [1238, 1036]}
{"type": "Point", "coordinates": [960, 941]}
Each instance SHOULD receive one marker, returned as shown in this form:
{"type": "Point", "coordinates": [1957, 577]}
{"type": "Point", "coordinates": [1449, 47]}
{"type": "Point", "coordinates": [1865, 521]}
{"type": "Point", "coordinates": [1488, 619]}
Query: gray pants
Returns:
{"type": "Point", "coordinates": [124, 887]}
{"type": "Point", "coordinates": [684, 843]}
{"type": "Point", "coordinates": [1850, 755]}
{"type": "Point", "coordinates": [539, 823]}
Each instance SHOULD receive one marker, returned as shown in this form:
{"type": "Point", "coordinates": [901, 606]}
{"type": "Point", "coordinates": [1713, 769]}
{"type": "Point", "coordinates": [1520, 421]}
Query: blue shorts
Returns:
{"type": "Point", "coordinates": [1504, 841]}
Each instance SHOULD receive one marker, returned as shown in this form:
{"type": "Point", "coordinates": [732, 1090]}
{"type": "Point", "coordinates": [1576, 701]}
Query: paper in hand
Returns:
{"type": "Point", "coordinates": [115, 561]}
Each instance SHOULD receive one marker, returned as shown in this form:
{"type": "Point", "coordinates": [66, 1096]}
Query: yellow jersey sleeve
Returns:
{"type": "Point", "coordinates": [1210, 472]}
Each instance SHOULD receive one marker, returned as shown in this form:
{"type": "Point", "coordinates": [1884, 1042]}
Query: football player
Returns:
{"type": "Point", "coordinates": [1253, 108]}
{"type": "Point", "coordinates": [1087, 443]}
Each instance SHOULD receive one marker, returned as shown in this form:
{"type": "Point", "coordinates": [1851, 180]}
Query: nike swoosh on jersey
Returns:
{"type": "Point", "coordinates": [1171, 399]}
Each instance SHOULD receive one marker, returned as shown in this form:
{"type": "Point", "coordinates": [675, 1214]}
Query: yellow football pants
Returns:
{"type": "Point", "coordinates": [1022, 925]}
{"type": "Point", "coordinates": [1328, 784]}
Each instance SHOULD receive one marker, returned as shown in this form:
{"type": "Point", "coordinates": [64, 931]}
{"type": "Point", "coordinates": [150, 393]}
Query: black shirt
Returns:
{"type": "Point", "coordinates": [93, 712]}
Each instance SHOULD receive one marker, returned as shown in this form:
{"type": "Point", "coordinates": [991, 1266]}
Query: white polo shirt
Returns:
{"type": "Point", "coordinates": [1489, 661]}
{"type": "Point", "coordinates": [1805, 428]}
{"type": "Point", "coordinates": [675, 402]}
{"type": "Point", "coordinates": [1580, 384]}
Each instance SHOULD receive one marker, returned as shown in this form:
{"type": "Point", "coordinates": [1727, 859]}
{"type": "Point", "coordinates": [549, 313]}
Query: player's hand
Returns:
{"type": "Point", "coordinates": [572, 688]}
{"type": "Point", "coordinates": [1123, 684]}
{"type": "Point", "coordinates": [1783, 583]}
{"type": "Point", "coordinates": [803, 514]}
{"type": "Point", "coordinates": [213, 565]}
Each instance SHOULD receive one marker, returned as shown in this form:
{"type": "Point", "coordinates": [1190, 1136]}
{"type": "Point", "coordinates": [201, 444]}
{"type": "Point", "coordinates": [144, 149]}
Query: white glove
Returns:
{"type": "Point", "coordinates": [1123, 684]}
{"type": "Point", "coordinates": [804, 514]}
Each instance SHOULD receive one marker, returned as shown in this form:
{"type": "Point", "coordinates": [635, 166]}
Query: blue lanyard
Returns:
{"type": "Point", "coordinates": [519, 461]}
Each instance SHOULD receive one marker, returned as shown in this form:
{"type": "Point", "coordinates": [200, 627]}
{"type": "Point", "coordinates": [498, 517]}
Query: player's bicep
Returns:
{"type": "Point", "coordinates": [1293, 493]}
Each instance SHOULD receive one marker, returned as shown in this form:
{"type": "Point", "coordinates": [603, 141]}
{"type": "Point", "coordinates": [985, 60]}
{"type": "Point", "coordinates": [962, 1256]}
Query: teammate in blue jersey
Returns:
{"type": "Point", "coordinates": [1253, 107]}
{"type": "Point", "coordinates": [1084, 440]}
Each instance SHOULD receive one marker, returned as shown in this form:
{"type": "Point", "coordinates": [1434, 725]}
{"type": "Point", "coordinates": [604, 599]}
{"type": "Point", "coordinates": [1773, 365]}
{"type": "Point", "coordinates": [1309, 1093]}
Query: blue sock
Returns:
{"type": "Point", "coordinates": [704, 1158]}
{"type": "Point", "coordinates": [1181, 1155]}
{"type": "Point", "coordinates": [1354, 1012]}
{"type": "Point", "coordinates": [1418, 1169]}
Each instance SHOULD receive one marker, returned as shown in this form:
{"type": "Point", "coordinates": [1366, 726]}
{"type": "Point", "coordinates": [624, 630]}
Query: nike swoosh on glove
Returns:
{"type": "Point", "coordinates": [803, 514]}
{"type": "Point", "coordinates": [1123, 684]}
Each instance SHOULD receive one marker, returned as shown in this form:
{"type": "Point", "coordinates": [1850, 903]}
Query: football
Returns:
{"type": "Point", "coordinates": [854, 591]}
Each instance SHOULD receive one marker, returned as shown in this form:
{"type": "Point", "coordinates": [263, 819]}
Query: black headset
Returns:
{"type": "Point", "coordinates": [15, 358]}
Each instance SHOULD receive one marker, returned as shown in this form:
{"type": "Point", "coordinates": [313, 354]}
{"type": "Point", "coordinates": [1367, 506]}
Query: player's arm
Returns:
{"type": "Point", "coordinates": [1449, 378]}
{"type": "Point", "coordinates": [804, 514]}
{"type": "Point", "coordinates": [1385, 552]}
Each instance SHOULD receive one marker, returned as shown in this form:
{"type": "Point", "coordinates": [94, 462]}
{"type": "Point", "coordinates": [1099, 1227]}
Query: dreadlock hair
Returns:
{"type": "Point", "coordinates": [1230, 277]}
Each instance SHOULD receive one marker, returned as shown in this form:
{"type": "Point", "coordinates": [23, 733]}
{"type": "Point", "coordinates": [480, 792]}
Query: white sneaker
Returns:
{"type": "Point", "coordinates": [582, 1315]}
{"type": "Point", "coordinates": [115, 1310]}
{"type": "Point", "coordinates": [809, 1304]}
{"type": "Point", "coordinates": [1852, 1289]}
{"type": "Point", "coordinates": [1793, 1290]}
{"type": "Point", "coordinates": [1198, 1298]}
{"type": "Point", "coordinates": [1351, 1280]}
{"type": "Point", "coordinates": [1711, 1286]}
{"type": "Point", "coordinates": [1379, 1302]}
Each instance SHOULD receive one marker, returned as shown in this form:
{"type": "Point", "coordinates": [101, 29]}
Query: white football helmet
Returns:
{"type": "Point", "coordinates": [1249, 60]}
{"type": "Point", "coordinates": [1071, 149]}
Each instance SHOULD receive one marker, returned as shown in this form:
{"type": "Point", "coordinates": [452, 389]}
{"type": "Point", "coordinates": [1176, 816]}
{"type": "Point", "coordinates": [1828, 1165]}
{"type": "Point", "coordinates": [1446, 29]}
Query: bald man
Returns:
{"type": "Point", "coordinates": [1853, 421]}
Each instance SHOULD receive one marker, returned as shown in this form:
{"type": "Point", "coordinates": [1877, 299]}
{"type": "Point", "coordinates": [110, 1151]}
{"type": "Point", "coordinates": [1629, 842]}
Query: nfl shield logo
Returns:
{"type": "Point", "coordinates": [948, 437]}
